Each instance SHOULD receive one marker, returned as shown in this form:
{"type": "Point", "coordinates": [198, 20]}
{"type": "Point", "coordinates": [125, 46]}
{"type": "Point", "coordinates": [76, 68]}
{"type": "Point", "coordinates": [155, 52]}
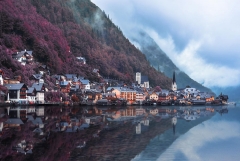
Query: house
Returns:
{"type": "Point", "coordinates": [162, 97]}
{"type": "Point", "coordinates": [17, 92]}
{"type": "Point", "coordinates": [65, 87]}
{"type": "Point", "coordinates": [85, 84]}
{"type": "Point", "coordinates": [124, 93]}
{"type": "Point", "coordinates": [31, 95]}
{"type": "Point", "coordinates": [153, 96]}
{"type": "Point", "coordinates": [172, 95]}
{"type": "Point", "coordinates": [40, 89]}
{"type": "Point", "coordinates": [96, 71]}
{"type": "Point", "coordinates": [44, 69]}
{"type": "Point", "coordinates": [15, 80]}
{"type": "Point", "coordinates": [140, 97]}
{"type": "Point", "coordinates": [70, 77]}
{"type": "Point", "coordinates": [37, 78]}
{"type": "Point", "coordinates": [24, 57]}
{"type": "Point", "coordinates": [81, 60]}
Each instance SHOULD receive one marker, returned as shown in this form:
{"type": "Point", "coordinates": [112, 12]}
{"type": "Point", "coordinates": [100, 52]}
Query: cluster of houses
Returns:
{"type": "Point", "coordinates": [107, 92]}
{"type": "Point", "coordinates": [92, 93]}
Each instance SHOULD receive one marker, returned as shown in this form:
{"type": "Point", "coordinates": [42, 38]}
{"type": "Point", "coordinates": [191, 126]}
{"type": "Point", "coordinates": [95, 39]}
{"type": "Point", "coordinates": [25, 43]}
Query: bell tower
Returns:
{"type": "Point", "coordinates": [174, 84]}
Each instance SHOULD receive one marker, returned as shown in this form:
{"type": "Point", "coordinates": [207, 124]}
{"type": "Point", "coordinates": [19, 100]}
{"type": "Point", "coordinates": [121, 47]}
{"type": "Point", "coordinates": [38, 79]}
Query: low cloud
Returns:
{"type": "Point", "coordinates": [197, 68]}
{"type": "Point", "coordinates": [201, 37]}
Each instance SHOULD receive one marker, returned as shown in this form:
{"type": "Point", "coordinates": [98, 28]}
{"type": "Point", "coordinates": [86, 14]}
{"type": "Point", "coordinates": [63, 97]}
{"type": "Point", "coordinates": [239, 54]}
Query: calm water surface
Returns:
{"type": "Point", "coordinates": [211, 137]}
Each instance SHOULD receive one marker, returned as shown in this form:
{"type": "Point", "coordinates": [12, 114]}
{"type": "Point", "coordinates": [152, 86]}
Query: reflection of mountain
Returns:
{"type": "Point", "coordinates": [161, 142]}
{"type": "Point", "coordinates": [122, 142]}
{"type": "Point", "coordinates": [160, 61]}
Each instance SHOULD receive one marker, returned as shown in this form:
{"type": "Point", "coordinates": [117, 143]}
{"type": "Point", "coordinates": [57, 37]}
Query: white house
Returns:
{"type": "Point", "coordinates": [31, 95]}
{"type": "Point", "coordinates": [17, 92]}
{"type": "Point", "coordinates": [40, 89]}
{"type": "Point", "coordinates": [85, 83]}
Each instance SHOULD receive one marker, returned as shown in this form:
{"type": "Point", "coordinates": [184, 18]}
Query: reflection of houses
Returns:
{"type": "Point", "coordinates": [40, 111]}
{"type": "Point", "coordinates": [17, 92]}
{"type": "Point", "coordinates": [140, 111]}
{"type": "Point", "coordinates": [153, 111]}
{"type": "Point", "coordinates": [142, 126]}
{"type": "Point", "coordinates": [23, 147]}
{"type": "Point", "coordinates": [37, 122]}
{"type": "Point", "coordinates": [128, 112]}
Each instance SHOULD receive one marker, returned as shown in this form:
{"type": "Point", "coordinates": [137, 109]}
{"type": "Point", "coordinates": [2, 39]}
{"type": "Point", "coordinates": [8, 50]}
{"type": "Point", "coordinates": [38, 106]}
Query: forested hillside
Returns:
{"type": "Point", "coordinates": [59, 30]}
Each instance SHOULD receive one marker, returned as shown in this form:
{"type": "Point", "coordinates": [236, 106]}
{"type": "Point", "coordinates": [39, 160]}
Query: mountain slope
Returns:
{"type": "Point", "coordinates": [59, 30]}
{"type": "Point", "coordinates": [160, 61]}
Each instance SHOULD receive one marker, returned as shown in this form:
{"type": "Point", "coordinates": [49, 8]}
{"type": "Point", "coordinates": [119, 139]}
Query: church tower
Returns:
{"type": "Point", "coordinates": [174, 84]}
{"type": "Point", "coordinates": [138, 77]}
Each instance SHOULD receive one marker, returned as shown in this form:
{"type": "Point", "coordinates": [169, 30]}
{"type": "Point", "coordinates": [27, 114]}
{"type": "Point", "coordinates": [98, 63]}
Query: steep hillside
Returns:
{"type": "Point", "coordinates": [161, 62]}
{"type": "Point", "coordinates": [59, 30]}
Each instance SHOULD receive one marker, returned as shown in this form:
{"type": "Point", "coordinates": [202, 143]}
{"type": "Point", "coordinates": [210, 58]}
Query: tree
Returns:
{"type": "Point", "coordinates": [157, 89]}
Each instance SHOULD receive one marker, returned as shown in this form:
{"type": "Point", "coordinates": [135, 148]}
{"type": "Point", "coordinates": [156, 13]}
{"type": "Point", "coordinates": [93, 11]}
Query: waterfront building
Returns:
{"type": "Point", "coordinates": [17, 92]}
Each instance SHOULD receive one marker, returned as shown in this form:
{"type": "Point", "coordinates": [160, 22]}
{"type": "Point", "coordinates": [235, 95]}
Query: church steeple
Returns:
{"type": "Point", "coordinates": [174, 84]}
{"type": "Point", "coordinates": [174, 81]}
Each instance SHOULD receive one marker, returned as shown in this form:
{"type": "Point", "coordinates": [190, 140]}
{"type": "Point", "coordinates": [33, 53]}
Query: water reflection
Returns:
{"type": "Point", "coordinates": [101, 133]}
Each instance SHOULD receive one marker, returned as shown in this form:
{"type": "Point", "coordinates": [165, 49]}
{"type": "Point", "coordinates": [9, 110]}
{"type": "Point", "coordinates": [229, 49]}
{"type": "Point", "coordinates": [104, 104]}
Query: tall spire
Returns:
{"type": "Point", "coordinates": [174, 81]}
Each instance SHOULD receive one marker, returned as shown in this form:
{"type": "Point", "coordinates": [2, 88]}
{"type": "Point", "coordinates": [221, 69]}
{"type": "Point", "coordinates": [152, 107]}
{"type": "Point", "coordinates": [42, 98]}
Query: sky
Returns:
{"type": "Point", "coordinates": [201, 37]}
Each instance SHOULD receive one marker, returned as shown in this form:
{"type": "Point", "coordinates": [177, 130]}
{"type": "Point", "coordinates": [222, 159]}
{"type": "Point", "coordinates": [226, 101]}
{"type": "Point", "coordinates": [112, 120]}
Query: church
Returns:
{"type": "Point", "coordinates": [174, 84]}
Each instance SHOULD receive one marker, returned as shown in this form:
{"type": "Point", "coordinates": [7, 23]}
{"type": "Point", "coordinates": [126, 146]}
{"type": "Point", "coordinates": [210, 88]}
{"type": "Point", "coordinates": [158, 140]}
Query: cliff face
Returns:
{"type": "Point", "coordinates": [59, 30]}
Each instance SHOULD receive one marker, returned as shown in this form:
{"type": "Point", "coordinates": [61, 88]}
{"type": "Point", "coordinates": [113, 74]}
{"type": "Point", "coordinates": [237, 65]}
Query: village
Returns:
{"type": "Point", "coordinates": [31, 115]}
{"type": "Point", "coordinates": [72, 89]}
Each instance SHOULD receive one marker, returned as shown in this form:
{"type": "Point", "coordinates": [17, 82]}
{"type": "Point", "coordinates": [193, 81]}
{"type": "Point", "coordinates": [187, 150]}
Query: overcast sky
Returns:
{"type": "Point", "coordinates": [201, 37]}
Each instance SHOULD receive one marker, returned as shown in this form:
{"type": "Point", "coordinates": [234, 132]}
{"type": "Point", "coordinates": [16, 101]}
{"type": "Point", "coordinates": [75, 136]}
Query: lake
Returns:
{"type": "Point", "coordinates": [215, 137]}
{"type": "Point", "coordinates": [131, 133]}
